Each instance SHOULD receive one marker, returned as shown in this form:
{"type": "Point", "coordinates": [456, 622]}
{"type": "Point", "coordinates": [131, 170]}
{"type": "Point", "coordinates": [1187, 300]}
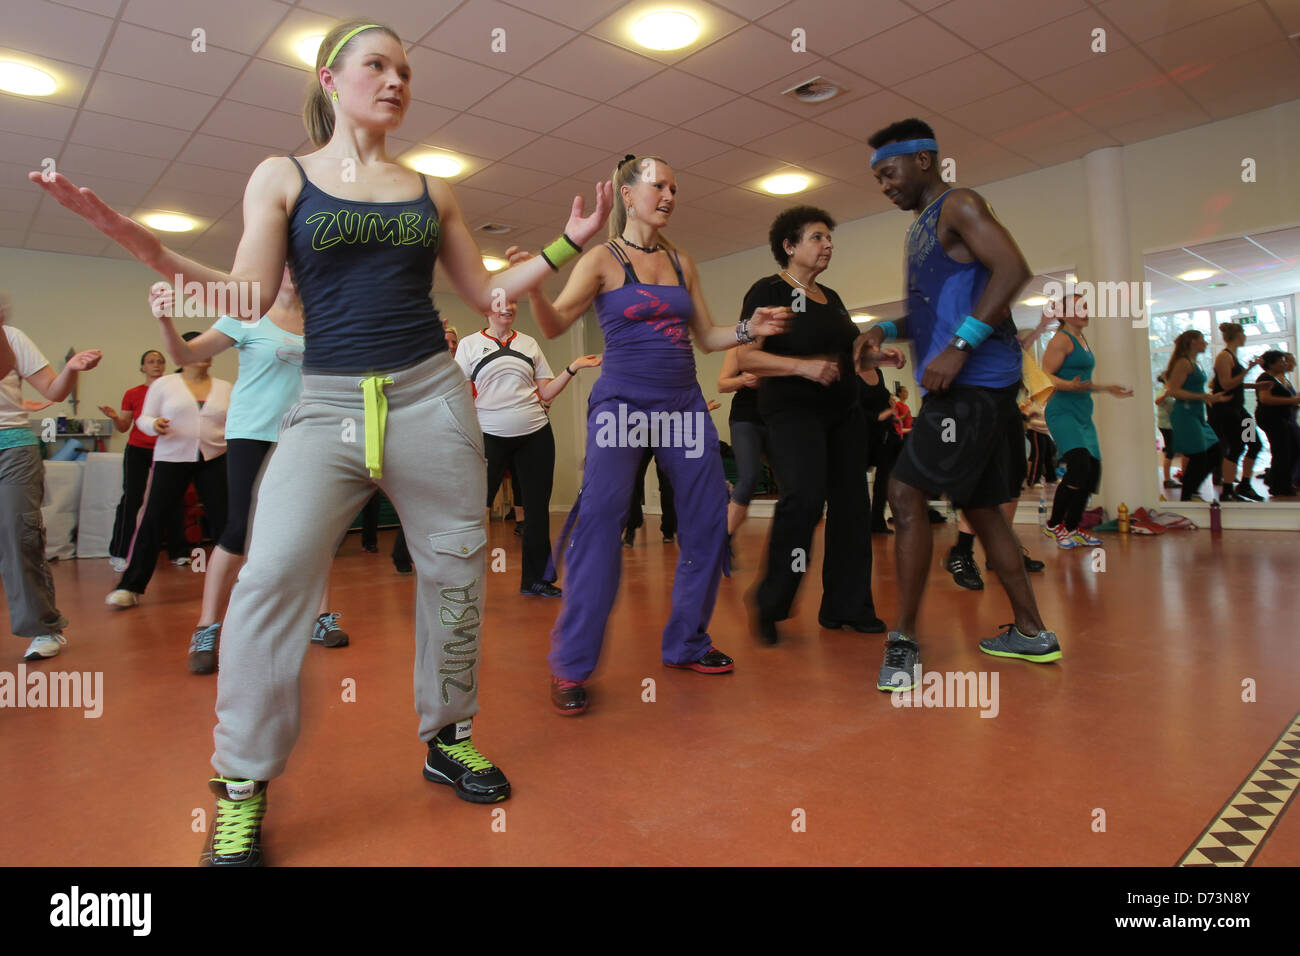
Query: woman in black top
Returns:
{"type": "Point", "coordinates": [1276, 415]}
{"type": "Point", "coordinates": [883, 441]}
{"type": "Point", "coordinates": [1230, 420]}
{"type": "Point", "coordinates": [808, 398]}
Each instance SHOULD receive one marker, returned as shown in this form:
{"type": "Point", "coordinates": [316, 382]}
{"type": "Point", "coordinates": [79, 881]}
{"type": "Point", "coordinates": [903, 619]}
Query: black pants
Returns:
{"type": "Point", "coordinates": [530, 458]}
{"type": "Point", "coordinates": [370, 533]}
{"type": "Point", "coordinates": [1283, 451]}
{"type": "Point", "coordinates": [820, 461]}
{"type": "Point", "coordinates": [136, 462]}
{"type": "Point", "coordinates": [1082, 478]}
{"type": "Point", "coordinates": [884, 452]}
{"type": "Point", "coordinates": [1203, 463]}
{"type": "Point", "coordinates": [1042, 457]}
{"type": "Point", "coordinates": [667, 520]}
{"type": "Point", "coordinates": [166, 489]}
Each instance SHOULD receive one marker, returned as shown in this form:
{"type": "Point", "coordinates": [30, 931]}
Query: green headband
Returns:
{"type": "Point", "coordinates": [349, 36]}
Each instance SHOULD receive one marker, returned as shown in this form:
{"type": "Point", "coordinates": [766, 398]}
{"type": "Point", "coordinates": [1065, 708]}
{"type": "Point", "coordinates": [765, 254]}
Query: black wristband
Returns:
{"type": "Point", "coordinates": [571, 372]}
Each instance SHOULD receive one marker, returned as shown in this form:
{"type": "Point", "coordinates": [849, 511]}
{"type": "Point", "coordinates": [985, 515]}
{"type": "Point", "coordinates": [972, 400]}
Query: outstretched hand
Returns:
{"type": "Point", "coordinates": [126, 232]}
{"type": "Point", "coordinates": [581, 228]}
{"type": "Point", "coordinates": [1120, 391]}
{"type": "Point", "coordinates": [84, 361]}
{"type": "Point", "coordinates": [161, 299]}
{"type": "Point", "coordinates": [770, 320]}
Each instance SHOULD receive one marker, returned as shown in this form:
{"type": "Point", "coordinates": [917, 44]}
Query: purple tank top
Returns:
{"type": "Point", "coordinates": [647, 329]}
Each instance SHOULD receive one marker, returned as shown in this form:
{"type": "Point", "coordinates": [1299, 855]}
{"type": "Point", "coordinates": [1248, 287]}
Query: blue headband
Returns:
{"type": "Point", "coordinates": [903, 148]}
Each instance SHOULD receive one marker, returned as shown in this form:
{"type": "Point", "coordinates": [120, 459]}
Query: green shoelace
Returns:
{"type": "Point", "coordinates": [237, 823]}
{"type": "Point", "coordinates": [466, 753]}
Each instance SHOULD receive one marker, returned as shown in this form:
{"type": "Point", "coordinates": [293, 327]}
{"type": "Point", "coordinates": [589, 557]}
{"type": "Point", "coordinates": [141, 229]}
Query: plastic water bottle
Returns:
{"type": "Point", "coordinates": [1216, 521]}
{"type": "Point", "coordinates": [1042, 511]}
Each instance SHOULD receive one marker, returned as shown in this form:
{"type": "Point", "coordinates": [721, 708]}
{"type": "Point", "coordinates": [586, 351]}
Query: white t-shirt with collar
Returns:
{"type": "Point", "coordinates": [504, 374]}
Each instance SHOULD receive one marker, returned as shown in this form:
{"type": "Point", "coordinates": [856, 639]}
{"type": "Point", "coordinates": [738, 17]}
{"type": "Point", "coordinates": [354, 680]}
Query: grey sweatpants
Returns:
{"type": "Point", "coordinates": [29, 588]}
{"type": "Point", "coordinates": [313, 485]}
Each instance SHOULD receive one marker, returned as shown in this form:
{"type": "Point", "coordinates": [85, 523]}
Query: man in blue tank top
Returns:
{"type": "Point", "coordinates": [963, 271]}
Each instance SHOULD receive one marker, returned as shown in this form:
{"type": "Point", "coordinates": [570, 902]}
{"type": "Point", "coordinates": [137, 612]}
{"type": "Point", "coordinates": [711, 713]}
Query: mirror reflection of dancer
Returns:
{"type": "Point", "coordinates": [1276, 414]}
{"type": "Point", "coordinates": [24, 572]}
{"type": "Point", "coordinates": [963, 271]}
{"type": "Point", "coordinates": [511, 380]}
{"type": "Point", "coordinates": [1193, 436]}
{"type": "Point", "coordinates": [648, 299]}
{"type": "Point", "coordinates": [1230, 420]}
{"type": "Point", "coordinates": [137, 460]}
{"type": "Point", "coordinates": [1069, 362]}
{"type": "Point", "coordinates": [316, 479]}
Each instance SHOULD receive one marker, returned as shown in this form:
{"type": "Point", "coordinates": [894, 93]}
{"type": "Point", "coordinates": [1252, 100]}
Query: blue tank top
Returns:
{"type": "Point", "coordinates": [364, 271]}
{"type": "Point", "coordinates": [941, 292]}
{"type": "Point", "coordinates": [647, 329]}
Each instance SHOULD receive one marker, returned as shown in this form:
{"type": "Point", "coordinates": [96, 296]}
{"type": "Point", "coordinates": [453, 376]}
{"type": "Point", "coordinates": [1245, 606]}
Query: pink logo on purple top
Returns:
{"type": "Point", "coordinates": [651, 309]}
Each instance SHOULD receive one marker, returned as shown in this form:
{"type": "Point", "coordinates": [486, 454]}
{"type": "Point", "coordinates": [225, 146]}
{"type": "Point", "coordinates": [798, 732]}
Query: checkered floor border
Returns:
{"type": "Point", "coordinates": [1237, 832]}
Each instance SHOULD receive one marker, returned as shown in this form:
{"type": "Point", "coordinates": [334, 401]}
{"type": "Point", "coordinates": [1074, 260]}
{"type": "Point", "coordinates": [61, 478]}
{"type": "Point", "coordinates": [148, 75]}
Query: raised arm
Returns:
{"type": "Point", "coordinates": [207, 344]}
{"type": "Point", "coordinates": [58, 387]}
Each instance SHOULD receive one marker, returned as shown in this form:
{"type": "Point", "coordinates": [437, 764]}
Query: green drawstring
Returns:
{"type": "Point", "coordinates": [376, 404]}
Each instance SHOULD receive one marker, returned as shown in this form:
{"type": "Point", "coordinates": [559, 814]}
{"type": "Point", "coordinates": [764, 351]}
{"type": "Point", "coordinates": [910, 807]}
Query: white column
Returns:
{"type": "Point", "coordinates": [1126, 426]}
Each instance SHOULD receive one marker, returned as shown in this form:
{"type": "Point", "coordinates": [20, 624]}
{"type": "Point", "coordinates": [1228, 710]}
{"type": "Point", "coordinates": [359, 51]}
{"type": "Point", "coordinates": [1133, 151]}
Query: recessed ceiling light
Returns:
{"type": "Point", "coordinates": [169, 222]}
{"type": "Point", "coordinates": [25, 80]}
{"type": "Point", "coordinates": [785, 183]}
{"type": "Point", "coordinates": [1196, 275]}
{"type": "Point", "coordinates": [862, 317]}
{"type": "Point", "coordinates": [1036, 301]}
{"type": "Point", "coordinates": [442, 165]}
{"type": "Point", "coordinates": [493, 264]}
{"type": "Point", "coordinates": [665, 30]}
{"type": "Point", "coordinates": [309, 47]}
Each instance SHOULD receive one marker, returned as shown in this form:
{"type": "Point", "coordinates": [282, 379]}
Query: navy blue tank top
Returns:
{"type": "Point", "coordinates": [941, 292]}
{"type": "Point", "coordinates": [364, 271]}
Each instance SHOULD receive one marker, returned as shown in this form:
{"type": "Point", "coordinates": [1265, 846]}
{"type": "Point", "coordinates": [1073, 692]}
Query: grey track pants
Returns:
{"type": "Point", "coordinates": [28, 586]}
{"type": "Point", "coordinates": [313, 485]}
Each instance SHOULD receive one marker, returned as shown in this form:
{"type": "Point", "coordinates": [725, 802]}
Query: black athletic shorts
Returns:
{"type": "Point", "coordinates": [967, 444]}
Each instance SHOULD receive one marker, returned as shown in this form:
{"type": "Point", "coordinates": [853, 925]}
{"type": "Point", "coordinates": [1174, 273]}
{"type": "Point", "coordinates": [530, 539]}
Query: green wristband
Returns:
{"type": "Point", "coordinates": [561, 251]}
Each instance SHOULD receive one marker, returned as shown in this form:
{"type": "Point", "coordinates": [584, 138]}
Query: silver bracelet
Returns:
{"type": "Point", "coordinates": [742, 333]}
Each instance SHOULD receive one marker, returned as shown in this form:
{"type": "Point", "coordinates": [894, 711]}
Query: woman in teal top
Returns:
{"type": "Point", "coordinates": [1193, 435]}
{"type": "Point", "coordinates": [1069, 362]}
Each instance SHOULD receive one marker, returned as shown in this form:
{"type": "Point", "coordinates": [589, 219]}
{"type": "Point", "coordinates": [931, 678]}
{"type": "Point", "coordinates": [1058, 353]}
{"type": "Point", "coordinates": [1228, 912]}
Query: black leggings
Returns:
{"type": "Point", "coordinates": [244, 458]}
{"type": "Point", "coordinates": [531, 458]}
{"type": "Point", "coordinates": [166, 489]}
{"type": "Point", "coordinates": [136, 462]}
{"type": "Point", "coordinates": [1198, 466]}
{"type": "Point", "coordinates": [668, 518]}
{"type": "Point", "coordinates": [1082, 476]}
{"type": "Point", "coordinates": [1042, 457]}
{"type": "Point", "coordinates": [884, 452]}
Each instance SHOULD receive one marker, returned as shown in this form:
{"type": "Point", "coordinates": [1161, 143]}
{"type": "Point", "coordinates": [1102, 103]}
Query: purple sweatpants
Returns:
{"type": "Point", "coordinates": [594, 554]}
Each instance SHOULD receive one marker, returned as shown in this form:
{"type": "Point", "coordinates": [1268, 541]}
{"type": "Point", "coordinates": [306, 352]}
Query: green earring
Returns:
{"type": "Point", "coordinates": [335, 96]}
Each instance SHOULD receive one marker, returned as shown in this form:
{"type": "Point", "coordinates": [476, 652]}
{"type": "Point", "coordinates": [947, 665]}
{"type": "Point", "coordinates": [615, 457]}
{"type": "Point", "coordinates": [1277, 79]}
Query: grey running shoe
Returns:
{"type": "Point", "coordinates": [1043, 648]}
{"type": "Point", "coordinates": [902, 659]}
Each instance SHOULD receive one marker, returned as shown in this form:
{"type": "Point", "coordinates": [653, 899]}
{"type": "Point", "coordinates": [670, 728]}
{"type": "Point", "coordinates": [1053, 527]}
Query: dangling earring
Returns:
{"type": "Point", "coordinates": [631, 213]}
{"type": "Point", "coordinates": [335, 96]}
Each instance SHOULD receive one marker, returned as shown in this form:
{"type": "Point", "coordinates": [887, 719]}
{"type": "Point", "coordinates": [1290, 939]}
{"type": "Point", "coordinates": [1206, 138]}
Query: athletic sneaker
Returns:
{"type": "Point", "coordinates": [568, 697]}
{"type": "Point", "coordinates": [180, 562]}
{"type": "Point", "coordinates": [902, 660]}
{"type": "Point", "coordinates": [1043, 648]}
{"type": "Point", "coordinates": [1032, 565]}
{"type": "Point", "coordinates": [203, 649]}
{"type": "Point", "coordinates": [629, 537]}
{"type": "Point", "coordinates": [1064, 539]}
{"type": "Point", "coordinates": [1049, 531]}
{"type": "Point", "coordinates": [44, 647]}
{"type": "Point", "coordinates": [235, 838]}
{"type": "Point", "coordinates": [1247, 492]}
{"type": "Point", "coordinates": [519, 529]}
{"type": "Point", "coordinates": [541, 589]}
{"type": "Point", "coordinates": [122, 598]}
{"type": "Point", "coordinates": [1170, 483]}
{"type": "Point", "coordinates": [453, 760]}
{"type": "Point", "coordinates": [328, 632]}
{"type": "Point", "coordinates": [403, 567]}
{"type": "Point", "coordinates": [714, 662]}
{"type": "Point", "coordinates": [961, 566]}
{"type": "Point", "coordinates": [1084, 540]}
{"type": "Point", "coordinates": [117, 564]}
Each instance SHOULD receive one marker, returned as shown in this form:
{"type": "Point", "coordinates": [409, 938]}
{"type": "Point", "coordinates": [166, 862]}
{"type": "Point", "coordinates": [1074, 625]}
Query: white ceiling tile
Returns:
{"type": "Point", "coordinates": [830, 27]}
{"type": "Point", "coordinates": [272, 85]}
{"type": "Point", "coordinates": [115, 132]}
{"type": "Point", "coordinates": [118, 193]}
{"type": "Point", "coordinates": [449, 81]}
{"type": "Point", "coordinates": [61, 33]}
{"type": "Point", "coordinates": [745, 60]}
{"type": "Point", "coordinates": [673, 97]}
{"type": "Point", "coordinates": [798, 143]}
{"type": "Point", "coordinates": [17, 204]}
{"type": "Point", "coordinates": [1143, 19]}
{"type": "Point", "coordinates": [18, 114]}
{"type": "Point", "coordinates": [737, 166]}
{"type": "Point", "coordinates": [534, 213]}
{"type": "Point", "coordinates": [556, 156]}
{"type": "Point", "coordinates": [1288, 11]}
{"type": "Point", "coordinates": [573, 65]}
{"type": "Point", "coordinates": [513, 180]}
{"type": "Point", "coordinates": [849, 163]}
{"type": "Point", "coordinates": [968, 79]}
{"type": "Point", "coordinates": [185, 201]}
{"type": "Point", "coordinates": [1212, 40]}
{"type": "Point", "coordinates": [741, 120]}
{"type": "Point", "coordinates": [691, 186]}
{"type": "Point", "coordinates": [910, 49]}
{"type": "Point", "coordinates": [233, 24]}
{"type": "Point", "coordinates": [1049, 150]}
{"type": "Point", "coordinates": [412, 19]}
{"type": "Point", "coordinates": [1120, 109]}
{"type": "Point", "coordinates": [422, 119]}
{"type": "Point", "coordinates": [470, 30]}
{"type": "Point", "coordinates": [105, 8]}
{"type": "Point", "coordinates": [148, 102]}
{"type": "Point", "coordinates": [204, 179]}
{"type": "Point", "coordinates": [480, 137]}
{"type": "Point", "coordinates": [281, 46]}
{"type": "Point", "coordinates": [972, 19]}
{"type": "Point", "coordinates": [85, 162]}
{"type": "Point", "coordinates": [481, 201]}
{"type": "Point", "coordinates": [531, 105]}
{"type": "Point", "coordinates": [1060, 126]}
{"type": "Point", "coordinates": [679, 147]}
{"type": "Point", "coordinates": [1246, 82]}
{"type": "Point", "coordinates": [1050, 49]}
{"type": "Point", "coordinates": [27, 152]}
{"type": "Point", "coordinates": [750, 9]}
{"type": "Point", "coordinates": [1122, 73]}
{"type": "Point", "coordinates": [1158, 125]}
{"type": "Point", "coordinates": [714, 22]}
{"type": "Point", "coordinates": [852, 87]}
{"type": "Point", "coordinates": [72, 245]}
{"type": "Point", "coordinates": [862, 117]}
{"type": "Point", "coordinates": [253, 124]}
{"type": "Point", "coordinates": [150, 55]}
{"type": "Point", "coordinates": [1011, 108]}
{"type": "Point", "coordinates": [578, 14]}
{"type": "Point", "coordinates": [609, 128]}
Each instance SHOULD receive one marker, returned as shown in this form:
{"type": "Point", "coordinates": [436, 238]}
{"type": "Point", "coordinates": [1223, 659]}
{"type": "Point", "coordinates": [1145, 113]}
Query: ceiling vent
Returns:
{"type": "Point", "coordinates": [494, 228]}
{"type": "Point", "coordinates": [818, 89]}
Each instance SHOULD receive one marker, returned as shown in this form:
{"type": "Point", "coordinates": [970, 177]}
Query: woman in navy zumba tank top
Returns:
{"type": "Point", "coordinates": [648, 300]}
{"type": "Point", "coordinates": [383, 406]}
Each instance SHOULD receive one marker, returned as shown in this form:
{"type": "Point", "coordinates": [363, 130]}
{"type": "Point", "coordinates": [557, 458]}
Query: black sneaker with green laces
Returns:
{"type": "Point", "coordinates": [902, 658]}
{"type": "Point", "coordinates": [454, 760]}
{"type": "Point", "coordinates": [235, 837]}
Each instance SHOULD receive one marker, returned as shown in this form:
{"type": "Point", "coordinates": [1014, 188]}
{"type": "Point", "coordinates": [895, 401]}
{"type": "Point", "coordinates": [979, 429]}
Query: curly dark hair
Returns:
{"type": "Point", "coordinates": [789, 226]}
